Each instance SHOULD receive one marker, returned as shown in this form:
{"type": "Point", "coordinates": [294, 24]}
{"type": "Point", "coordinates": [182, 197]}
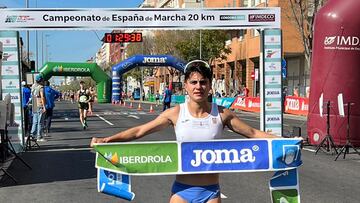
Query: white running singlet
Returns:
{"type": "Point", "coordinates": [189, 128]}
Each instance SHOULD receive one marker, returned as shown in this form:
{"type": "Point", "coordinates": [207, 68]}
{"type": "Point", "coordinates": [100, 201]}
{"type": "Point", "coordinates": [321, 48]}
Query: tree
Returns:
{"type": "Point", "coordinates": [75, 86]}
{"type": "Point", "coordinates": [165, 43]}
{"type": "Point", "coordinates": [212, 45]}
{"type": "Point", "coordinates": [303, 15]}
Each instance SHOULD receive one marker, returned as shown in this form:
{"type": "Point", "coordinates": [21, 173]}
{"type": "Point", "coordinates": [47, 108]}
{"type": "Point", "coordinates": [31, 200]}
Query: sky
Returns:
{"type": "Point", "coordinates": [67, 46]}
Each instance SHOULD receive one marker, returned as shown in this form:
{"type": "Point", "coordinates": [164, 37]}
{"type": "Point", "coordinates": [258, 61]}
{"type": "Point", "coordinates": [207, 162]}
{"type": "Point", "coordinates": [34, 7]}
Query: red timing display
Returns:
{"type": "Point", "coordinates": [122, 37]}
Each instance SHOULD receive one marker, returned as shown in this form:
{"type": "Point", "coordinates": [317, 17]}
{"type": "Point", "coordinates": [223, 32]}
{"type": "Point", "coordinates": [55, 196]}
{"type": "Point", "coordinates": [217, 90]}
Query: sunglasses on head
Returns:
{"type": "Point", "coordinates": [196, 63]}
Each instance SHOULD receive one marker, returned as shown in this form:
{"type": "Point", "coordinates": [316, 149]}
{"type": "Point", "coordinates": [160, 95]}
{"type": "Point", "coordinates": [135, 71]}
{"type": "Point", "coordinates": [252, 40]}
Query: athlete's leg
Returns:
{"type": "Point", "coordinates": [85, 117]}
{"type": "Point", "coordinates": [215, 200]}
{"type": "Point", "coordinates": [177, 199]}
{"type": "Point", "coordinates": [81, 113]}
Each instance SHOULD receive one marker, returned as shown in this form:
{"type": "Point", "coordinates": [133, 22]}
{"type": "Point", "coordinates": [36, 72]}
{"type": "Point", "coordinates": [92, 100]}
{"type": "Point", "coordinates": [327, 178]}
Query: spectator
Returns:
{"type": "Point", "coordinates": [296, 92]}
{"type": "Point", "coordinates": [26, 95]}
{"type": "Point", "coordinates": [210, 95]}
{"type": "Point", "coordinates": [38, 108]}
{"type": "Point", "coordinates": [245, 91]}
{"type": "Point", "coordinates": [167, 98]}
{"type": "Point", "coordinates": [284, 94]}
{"type": "Point", "coordinates": [72, 96]}
{"type": "Point", "coordinates": [157, 98]}
{"type": "Point", "coordinates": [92, 99]}
{"type": "Point", "coordinates": [217, 94]}
{"type": "Point", "coordinates": [50, 96]}
{"type": "Point", "coordinates": [307, 90]}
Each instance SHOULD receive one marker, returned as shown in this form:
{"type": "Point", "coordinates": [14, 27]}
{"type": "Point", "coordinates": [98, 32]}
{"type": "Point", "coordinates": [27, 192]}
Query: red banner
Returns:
{"type": "Point", "coordinates": [297, 105]}
{"type": "Point", "coordinates": [293, 105]}
{"type": "Point", "coordinates": [247, 104]}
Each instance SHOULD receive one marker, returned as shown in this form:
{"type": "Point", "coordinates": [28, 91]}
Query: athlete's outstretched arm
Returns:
{"type": "Point", "coordinates": [161, 122]}
{"type": "Point", "coordinates": [235, 124]}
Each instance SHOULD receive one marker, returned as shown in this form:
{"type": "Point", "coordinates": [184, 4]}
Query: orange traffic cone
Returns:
{"type": "Point", "coordinates": [151, 109]}
{"type": "Point", "coordinates": [131, 105]}
{"type": "Point", "coordinates": [139, 107]}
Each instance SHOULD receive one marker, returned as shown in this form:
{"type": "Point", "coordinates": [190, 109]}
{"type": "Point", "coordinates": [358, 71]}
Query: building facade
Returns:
{"type": "Point", "coordinates": [102, 58]}
{"type": "Point", "coordinates": [232, 74]}
{"type": "Point", "coordinates": [237, 69]}
{"type": "Point", "coordinates": [235, 72]}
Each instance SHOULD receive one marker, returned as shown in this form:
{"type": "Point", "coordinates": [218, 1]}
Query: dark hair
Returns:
{"type": "Point", "coordinates": [198, 66]}
{"type": "Point", "coordinates": [47, 83]}
{"type": "Point", "coordinates": [82, 82]}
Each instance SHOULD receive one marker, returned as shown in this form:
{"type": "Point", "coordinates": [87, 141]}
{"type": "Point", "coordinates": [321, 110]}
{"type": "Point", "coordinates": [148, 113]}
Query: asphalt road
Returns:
{"type": "Point", "coordinates": [63, 167]}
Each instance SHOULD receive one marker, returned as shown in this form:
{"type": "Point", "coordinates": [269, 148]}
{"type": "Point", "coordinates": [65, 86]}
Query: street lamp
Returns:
{"type": "Point", "coordinates": [27, 37]}
{"type": "Point", "coordinates": [202, 5]}
{"type": "Point", "coordinates": [44, 45]}
{"type": "Point", "coordinates": [47, 53]}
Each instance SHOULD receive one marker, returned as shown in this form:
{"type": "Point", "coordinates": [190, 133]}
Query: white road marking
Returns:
{"type": "Point", "coordinates": [310, 150]}
{"type": "Point", "coordinates": [133, 116]}
{"type": "Point", "coordinates": [125, 113]}
{"type": "Point", "coordinates": [106, 121]}
{"type": "Point", "coordinates": [222, 196]}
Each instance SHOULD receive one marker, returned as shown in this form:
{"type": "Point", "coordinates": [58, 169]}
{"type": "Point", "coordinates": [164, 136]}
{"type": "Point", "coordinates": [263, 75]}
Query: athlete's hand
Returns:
{"type": "Point", "coordinates": [97, 140]}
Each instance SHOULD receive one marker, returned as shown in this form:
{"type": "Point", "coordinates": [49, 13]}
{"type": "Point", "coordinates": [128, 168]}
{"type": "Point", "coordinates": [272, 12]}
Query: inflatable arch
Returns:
{"type": "Point", "coordinates": [140, 60]}
{"type": "Point", "coordinates": [103, 81]}
{"type": "Point", "coordinates": [334, 70]}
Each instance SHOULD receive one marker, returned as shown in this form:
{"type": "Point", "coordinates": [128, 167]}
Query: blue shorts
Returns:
{"type": "Point", "coordinates": [196, 194]}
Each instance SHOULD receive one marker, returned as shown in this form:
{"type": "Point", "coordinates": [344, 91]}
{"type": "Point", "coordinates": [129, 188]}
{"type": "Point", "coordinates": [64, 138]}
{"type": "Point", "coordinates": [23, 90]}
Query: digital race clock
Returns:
{"type": "Point", "coordinates": [122, 37]}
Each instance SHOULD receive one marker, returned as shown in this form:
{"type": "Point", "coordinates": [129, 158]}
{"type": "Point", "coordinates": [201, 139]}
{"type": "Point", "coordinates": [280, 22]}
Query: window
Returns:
{"type": "Point", "coordinates": [245, 3]}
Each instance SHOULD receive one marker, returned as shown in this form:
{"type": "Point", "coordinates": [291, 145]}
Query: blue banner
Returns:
{"type": "Point", "coordinates": [284, 187]}
{"type": "Point", "coordinates": [284, 178]}
{"type": "Point", "coordinates": [286, 153]}
{"type": "Point", "coordinates": [225, 102]}
{"type": "Point", "coordinates": [115, 184]}
{"type": "Point", "coordinates": [225, 156]}
{"type": "Point", "coordinates": [177, 99]}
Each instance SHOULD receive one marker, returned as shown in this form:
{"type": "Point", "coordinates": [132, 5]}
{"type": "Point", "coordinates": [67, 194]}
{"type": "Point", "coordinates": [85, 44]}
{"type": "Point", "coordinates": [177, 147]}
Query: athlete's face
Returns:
{"type": "Point", "coordinates": [197, 87]}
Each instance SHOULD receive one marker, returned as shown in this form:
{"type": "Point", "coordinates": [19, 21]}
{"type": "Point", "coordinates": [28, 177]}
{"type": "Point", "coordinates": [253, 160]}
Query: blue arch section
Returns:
{"type": "Point", "coordinates": [140, 60]}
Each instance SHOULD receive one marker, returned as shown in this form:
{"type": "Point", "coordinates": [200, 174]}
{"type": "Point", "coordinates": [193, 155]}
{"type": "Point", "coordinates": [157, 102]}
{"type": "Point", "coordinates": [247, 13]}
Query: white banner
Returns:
{"type": "Point", "coordinates": [272, 82]}
{"type": "Point", "coordinates": [10, 82]}
{"type": "Point", "coordinates": [86, 19]}
{"type": "Point", "coordinates": [10, 70]}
